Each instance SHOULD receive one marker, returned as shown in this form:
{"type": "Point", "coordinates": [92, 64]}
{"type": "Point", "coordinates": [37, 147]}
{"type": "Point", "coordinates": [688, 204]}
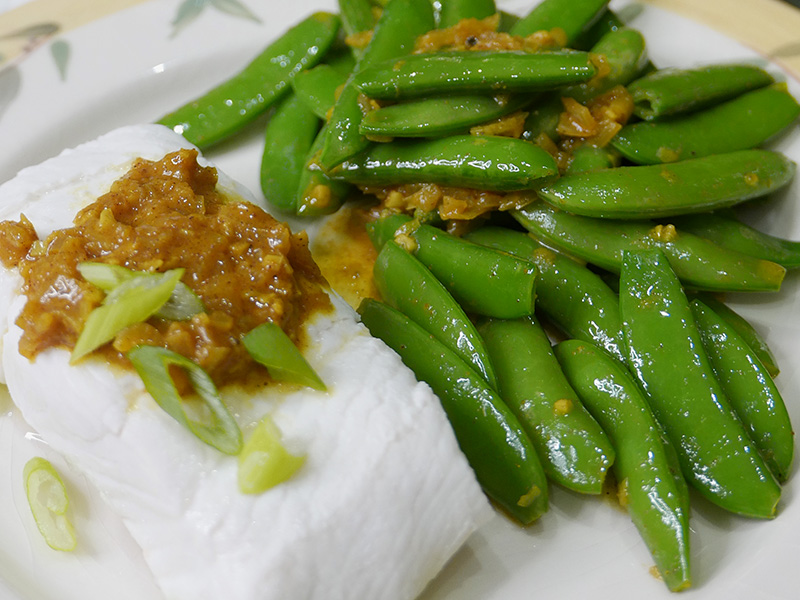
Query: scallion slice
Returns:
{"type": "Point", "coordinates": [264, 461]}
{"type": "Point", "coordinates": [131, 302]}
{"type": "Point", "coordinates": [153, 364]}
{"type": "Point", "coordinates": [182, 304]}
{"type": "Point", "coordinates": [47, 497]}
{"type": "Point", "coordinates": [269, 345]}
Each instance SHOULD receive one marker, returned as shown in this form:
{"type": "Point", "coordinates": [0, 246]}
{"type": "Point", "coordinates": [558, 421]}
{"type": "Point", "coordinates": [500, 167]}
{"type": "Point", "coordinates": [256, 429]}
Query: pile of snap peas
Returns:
{"type": "Point", "coordinates": [578, 332]}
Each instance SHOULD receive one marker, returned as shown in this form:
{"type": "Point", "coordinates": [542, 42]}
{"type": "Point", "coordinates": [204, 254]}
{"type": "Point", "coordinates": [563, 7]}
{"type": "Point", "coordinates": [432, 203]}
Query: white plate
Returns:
{"type": "Point", "coordinates": [129, 68]}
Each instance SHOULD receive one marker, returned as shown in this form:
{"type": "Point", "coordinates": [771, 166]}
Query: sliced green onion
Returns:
{"type": "Point", "coordinates": [183, 303]}
{"type": "Point", "coordinates": [131, 302]}
{"type": "Point", "coordinates": [153, 364]}
{"type": "Point", "coordinates": [264, 462]}
{"type": "Point", "coordinates": [48, 500]}
{"type": "Point", "coordinates": [269, 345]}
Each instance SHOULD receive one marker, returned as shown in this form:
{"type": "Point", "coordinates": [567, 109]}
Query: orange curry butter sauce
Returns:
{"type": "Point", "coordinates": [247, 267]}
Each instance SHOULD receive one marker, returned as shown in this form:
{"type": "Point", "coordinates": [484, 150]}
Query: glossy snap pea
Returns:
{"type": "Point", "coordinates": [700, 264]}
{"type": "Point", "coordinates": [586, 159]}
{"type": "Point", "coordinates": [318, 87]}
{"type": "Point", "coordinates": [746, 331]}
{"type": "Point", "coordinates": [752, 393]}
{"type": "Point", "coordinates": [407, 284]}
{"type": "Point", "coordinates": [438, 115]}
{"type": "Point", "coordinates": [671, 91]}
{"type": "Point", "coordinates": [574, 450]}
{"type": "Point", "coordinates": [667, 358]}
{"type": "Point", "coordinates": [607, 22]}
{"type": "Point", "coordinates": [687, 186]}
{"type": "Point", "coordinates": [483, 281]}
{"type": "Point", "coordinates": [656, 496]}
{"type": "Point", "coordinates": [480, 162]}
{"type": "Point", "coordinates": [452, 11]}
{"type": "Point", "coordinates": [491, 437]}
{"type": "Point", "coordinates": [625, 54]}
{"type": "Point", "coordinates": [289, 136]}
{"type": "Point", "coordinates": [543, 118]}
{"type": "Point", "coordinates": [395, 34]}
{"type": "Point", "coordinates": [237, 101]}
{"type": "Point", "coordinates": [357, 15]}
{"type": "Point", "coordinates": [726, 230]}
{"type": "Point", "coordinates": [576, 299]}
{"type": "Point", "coordinates": [572, 16]}
{"type": "Point", "coordinates": [485, 72]}
{"type": "Point", "coordinates": [317, 193]}
{"type": "Point", "coordinates": [747, 121]}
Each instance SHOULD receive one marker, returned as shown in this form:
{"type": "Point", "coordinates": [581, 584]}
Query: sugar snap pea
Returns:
{"type": "Point", "coordinates": [491, 437]}
{"type": "Point", "coordinates": [671, 91]}
{"type": "Point", "coordinates": [237, 101]}
{"type": "Point", "coordinates": [687, 186]}
{"type": "Point", "coordinates": [486, 72]}
{"type": "Point", "coordinates": [746, 121]}
{"type": "Point", "coordinates": [586, 159]}
{"type": "Point", "coordinates": [395, 33]}
{"type": "Point", "coordinates": [543, 118]}
{"type": "Point", "coordinates": [723, 228]}
{"type": "Point", "coordinates": [572, 16]}
{"type": "Point", "coordinates": [575, 298]}
{"type": "Point", "coordinates": [754, 340]}
{"type": "Point", "coordinates": [606, 22]}
{"type": "Point", "coordinates": [357, 16]}
{"type": "Point", "coordinates": [439, 115]}
{"type": "Point", "coordinates": [319, 86]}
{"type": "Point", "coordinates": [700, 264]}
{"type": "Point", "coordinates": [752, 393]}
{"type": "Point", "coordinates": [655, 495]}
{"type": "Point", "coordinates": [289, 136]}
{"type": "Point", "coordinates": [574, 450]}
{"type": "Point", "coordinates": [452, 11]}
{"type": "Point", "coordinates": [666, 356]}
{"type": "Point", "coordinates": [479, 162]}
{"type": "Point", "coordinates": [407, 284]}
{"type": "Point", "coordinates": [483, 280]}
{"type": "Point", "coordinates": [317, 193]}
{"type": "Point", "coordinates": [625, 55]}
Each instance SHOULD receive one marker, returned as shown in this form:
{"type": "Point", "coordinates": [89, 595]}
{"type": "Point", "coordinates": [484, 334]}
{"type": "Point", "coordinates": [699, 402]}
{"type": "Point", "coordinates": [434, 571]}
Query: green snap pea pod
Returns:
{"type": "Point", "coordinates": [729, 232]}
{"type": "Point", "coordinates": [575, 298]}
{"type": "Point", "coordinates": [751, 391]}
{"type": "Point", "coordinates": [317, 193]}
{"type": "Point", "coordinates": [666, 356]}
{"type": "Point", "coordinates": [237, 101]}
{"type": "Point", "coordinates": [483, 280]}
{"type": "Point", "coordinates": [687, 186]}
{"type": "Point", "coordinates": [747, 121]}
{"type": "Point", "coordinates": [671, 91]}
{"type": "Point", "coordinates": [491, 437]}
{"type": "Point", "coordinates": [356, 15]}
{"type": "Point", "coordinates": [657, 498]}
{"type": "Point", "coordinates": [480, 162]}
{"type": "Point", "coordinates": [586, 159]}
{"type": "Point", "coordinates": [573, 16]}
{"type": "Point", "coordinates": [319, 86]}
{"type": "Point", "coordinates": [288, 138]}
{"type": "Point", "coordinates": [574, 450]}
{"type": "Point", "coordinates": [485, 72]}
{"type": "Point", "coordinates": [625, 54]}
{"type": "Point", "coordinates": [699, 263]}
{"type": "Point", "coordinates": [543, 118]}
{"type": "Point", "coordinates": [395, 34]}
{"type": "Point", "coordinates": [746, 331]}
{"type": "Point", "coordinates": [439, 115]}
{"type": "Point", "coordinates": [406, 284]}
{"type": "Point", "coordinates": [507, 21]}
{"type": "Point", "coordinates": [452, 11]}
{"type": "Point", "coordinates": [607, 22]}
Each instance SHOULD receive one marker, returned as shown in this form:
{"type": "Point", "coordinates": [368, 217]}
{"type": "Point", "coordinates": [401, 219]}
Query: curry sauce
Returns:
{"type": "Point", "coordinates": [246, 267]}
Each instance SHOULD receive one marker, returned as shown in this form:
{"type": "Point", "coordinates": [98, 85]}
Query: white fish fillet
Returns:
{"type": "Point", "coordinates": [383, 501]}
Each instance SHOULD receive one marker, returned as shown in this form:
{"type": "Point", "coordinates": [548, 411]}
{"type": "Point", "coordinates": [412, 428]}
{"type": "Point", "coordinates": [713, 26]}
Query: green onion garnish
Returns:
{"type": "Point", "coordinates": [269, 345]}
{"type": "Point", "coordinates": [182, 304]}
{"type": "Point", "coordinates": [264, 462]}
{"type": "Point", "coordinates": [48, 500]}
{"type": "Point", "coordinates": [153, 364]}
{"type": "Point", "coordinates": [131, 302]}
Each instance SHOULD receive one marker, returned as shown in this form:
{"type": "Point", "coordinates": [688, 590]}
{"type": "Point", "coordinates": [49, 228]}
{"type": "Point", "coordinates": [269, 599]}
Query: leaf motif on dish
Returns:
{"type": "Point", "coordinates": [26, 40]}
{"type": "Point", "coordinates": [59, 50]}
{"type": "Point", "coordinates": [189, 10]}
